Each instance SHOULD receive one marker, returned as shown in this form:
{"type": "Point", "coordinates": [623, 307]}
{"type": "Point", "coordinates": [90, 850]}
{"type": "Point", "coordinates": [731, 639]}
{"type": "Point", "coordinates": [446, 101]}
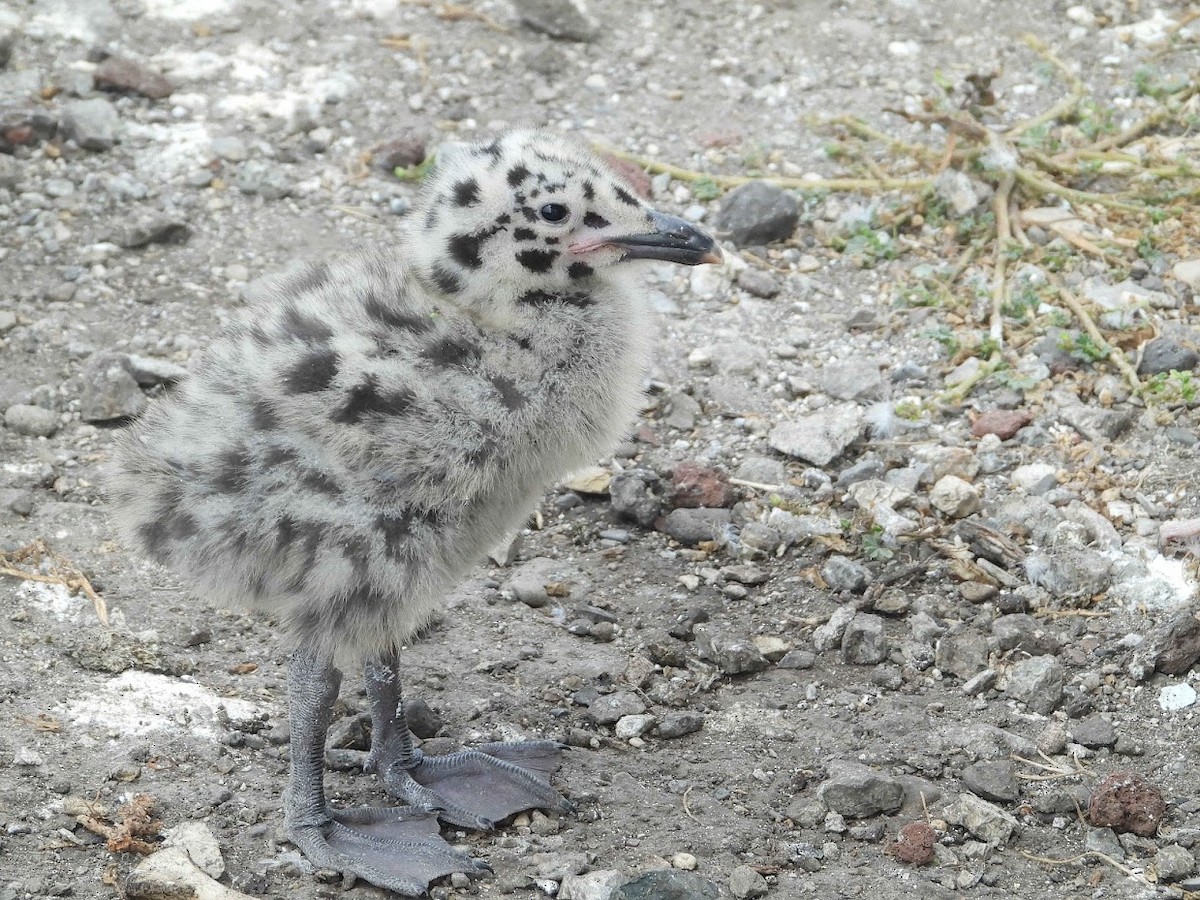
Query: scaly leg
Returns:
{"type": "Point", "coordinates": [473, 788]}
{"type": "Point", "coordinates": [397, 849]}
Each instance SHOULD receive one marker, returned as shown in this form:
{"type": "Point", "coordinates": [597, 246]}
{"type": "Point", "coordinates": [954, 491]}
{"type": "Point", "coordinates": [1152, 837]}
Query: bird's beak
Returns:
{"type": "Point", "coordinates": [672, 240]}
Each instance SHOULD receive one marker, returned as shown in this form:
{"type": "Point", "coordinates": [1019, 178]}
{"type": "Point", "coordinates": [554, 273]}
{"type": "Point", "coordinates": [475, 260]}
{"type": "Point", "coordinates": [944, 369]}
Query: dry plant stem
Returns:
{"type": "Point", "coordinates": [1096, 854]}
{"type": "Point", "coordinates": [863, 130]}
{"type": "Point", "coordinates": [64, 573]}
{"type": "Point", "coordinates": [801, 184]}
{"type": "Point", "coordinates": [1000, 267]}
{"type": "Point", "coordinates": [1062, 108]}
{"type": "Point", "coordinates": [960, 391]}
{"type": "Point", "coordinates": [1089, 325]}
{"type": "Point", "coordinates": [1041, 185]}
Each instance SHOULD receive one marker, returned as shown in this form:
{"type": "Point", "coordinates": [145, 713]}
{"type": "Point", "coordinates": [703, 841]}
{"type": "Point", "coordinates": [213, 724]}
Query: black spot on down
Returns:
{"type": "Point", "coordinates": [516, 175]}
{"type": "Point", "coordinates": [365, 399]}
{"type": "Point", "coordinates": [452, 351]}
{"type": "Point", "coordinates": [466, 192]}
{"type": "Point", "coordinates": [595, 220]}
{"type": "Point", "coordinates": [510, 395]}
{"type": "Point", "coordinates": [314, 372]}
{"type": "Point", "coordinates": [537, 260]}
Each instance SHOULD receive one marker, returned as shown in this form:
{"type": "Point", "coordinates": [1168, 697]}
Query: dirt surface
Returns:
{"type": "Point", "coordinates": [186, 703]}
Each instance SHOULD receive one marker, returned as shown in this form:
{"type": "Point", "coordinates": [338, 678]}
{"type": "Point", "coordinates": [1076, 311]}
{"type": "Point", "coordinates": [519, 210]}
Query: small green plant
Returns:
{"type": "Point", "coordinates": [705, 188]}
{"type": "Point", "coordinates": [1081, 346]}
{"type": "Point", "coordinates": [917, 295]}
{"type": "Point", "coordinates": [1171, 387]}
{"type": "Point", "coordinates": [943, 336]}
{"type": "Point", "coordinates": [868, 247]}
{"type": "Point", "coordinates": [1149, 83]}
{"type": "Point", "coordinates": [1146, 249]}
{"type": "Point", "coordinates": [988, 347]}
{"type": "Point", "coordinates": [417, 172]}
{"type": "Point", "coordinates": [910, 410]}
{"type": "Point", "coordinates": [873, 548]}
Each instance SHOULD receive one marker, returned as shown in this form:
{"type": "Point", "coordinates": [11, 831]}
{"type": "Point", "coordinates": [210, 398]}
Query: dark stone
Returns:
{"type": "Point", "coordinates": [668, 884]}
{"type": "Point", "coordinates": [757, 213]}
{"type": "Point", "coordinates": [153, 228]}
{"type": "Point", "coordinates": [1164, 355]}
{"type": "Point", "coordinates": [691, 526]}
{"type": "Point", "coordinates": [124, 76]}
{"type": "Point", "coordinates": [1126, 802]}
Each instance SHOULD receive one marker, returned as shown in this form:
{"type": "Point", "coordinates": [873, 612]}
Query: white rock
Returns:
{"type": "Point", "coordinates": [819, 437]}
{"type": "Point", "coordinates": [1188, 271]}
{"type": "Point", "coordinates": [170, 873]}
{"type": "Point", "coordinates": [598, 885]}
{"type": "Point", "coordinates": [633, 725]}
{"type": "Point", "coordinates": [1175, 697]}
{"type": "Point", "coordinates": [200, 844]}
{"type": "Point", "coordinates": [1035, 478]}
{"type": "Point", "coordinates": [954, 497]}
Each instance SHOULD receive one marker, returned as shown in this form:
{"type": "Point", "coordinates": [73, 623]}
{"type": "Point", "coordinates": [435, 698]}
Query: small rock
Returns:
{"type": "Point", "coordinates": [914, 844]}
{"type": "Point", "coordinates": [1097, 424]}
{"type": "Point", "coordinates": [855, 791]}
{"type": "Point", "coordinates": [819, 437]}
{"type": "Point", "coordinates": [125, 76]}
{"type": "Point", "coordinates": [853, 379]}
{"type": "Point", "coordinates": [607, 709]}
{"type": "Point", "coordinates": [600, 884]}
{"type": "Point", "coordinates": [1173, 863]}
{"type": "Point", "coordinates": [1188, 272]}
{"type": "Point", "coordinates": [1035, 478]}
{"type": "Point", "coordinates": [634, 494]}
{"type": "Point", "coordinates": [92, 124]}
{"type": "Point", "coordinates": [1126, 802]}
{"type": "Point", "coordinates": [200, 844]}
{"type": "Point", "coordinates": [756, 469]}
{"type": "Point", "coordinates": [844, 574]}
{"type": "Point", "coordinates": [400, 153]}
{"type": "Point", "coordinates": [757, 213]}
{"type": "Point", "coordinates": [829, 635]}
{"type": "Point", "coordinates": [962, 652]}
{"type": "Point", "coordinates": [262, 177]}
{"type": "Point", "coordinates": [1094, 731]}
{"type": "Point", "coordinates": [1164, 355]}
{"type": "Point", "coordinates": [668, 884]}
{"type": "Point", "coordinates": [230, 148]}
{"type": "Point", "coordinates": [986, 821]}
{"type": "Point", "coordinates": [169, 872]}
{"type": "Point", "coordinates": [694, 485]}
{"type": "Point", "coordinates": [632, 726]}
{"type": "Point", "coordinates": [1174, 646]}
{"type": "Point", "coordinates": [954, 497]}
{"type": "Point", "coordinates": [757, 282]}
{"type": "Point", "coordinates": [691, 526]}
{"type": "Point", "coordinates": [983, 681]}
{"type": "Point", "coordinates": [152, 228]}
{"type": "Point", "coordinates": [32, 421]}
{"type": "Point", "coordinates": [109, 392]}
{"type": "Point", "coordinates": [27, 758]}
{"type": "Point", "coordinates": [864, 643]}
{"type": "Point", "coordinates": [423, 720]}
{"type": "Point", "coordinates": [746, 883]}
{"type": "Point", "coordinates": [734, 656]}
{"type": "Point", "coordinates": [685, 861]}
{"type": "Point", "coordinates": [797, 659]}
{"type": "Point", "coordinates": [992, 780]}
{"type": "Point", "coordinates": [1175, 697]}
{"type": "Point", "coordinates": [1038, 681]}
{"type": "Point", "coordinates": [1004, 423]}
{"type": "Point", "coordinates": [955, 188]}
{"type": "Point", "coordinates": [678, 723]}
{"type": "Point", "coordinates": [566, 19]}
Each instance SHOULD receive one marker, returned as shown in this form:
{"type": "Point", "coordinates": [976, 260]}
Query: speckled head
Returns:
{"type": "Point", "coordinates": [534, 213]}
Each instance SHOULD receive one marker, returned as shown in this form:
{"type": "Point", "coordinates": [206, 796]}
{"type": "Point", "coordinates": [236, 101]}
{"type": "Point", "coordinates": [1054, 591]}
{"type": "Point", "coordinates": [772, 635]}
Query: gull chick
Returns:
{"type": "Point", "coordinates": [352, 446]}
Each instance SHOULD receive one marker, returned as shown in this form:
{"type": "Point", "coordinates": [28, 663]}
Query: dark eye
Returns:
{"type": "Point", "coordinates": [553, 212]}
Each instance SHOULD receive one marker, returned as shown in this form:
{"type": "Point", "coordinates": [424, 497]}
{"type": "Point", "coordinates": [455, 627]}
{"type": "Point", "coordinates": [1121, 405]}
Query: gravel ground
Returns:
{"type": "Point", "coordinates": [816, 599]}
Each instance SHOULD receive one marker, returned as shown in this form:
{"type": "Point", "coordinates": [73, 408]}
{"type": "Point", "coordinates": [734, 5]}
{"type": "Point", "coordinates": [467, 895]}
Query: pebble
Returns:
{"type": "Point", "coordinates": [632, 726]}
{"type": "Point", "coordinates": [27, 758]}
{"type": "Point", "coordinates": [600, 884]}
{"type": "Point", "coordinates": [152, 228]}
{"type": "Point", "coordinates": [607, 709]}
{"type": "Point", "coordinates": [423, 721]}
{"type": "Point", "coordinates": [200, 844]}
{"type": "Point", "coordinates": [1188, 272]}
{"type": "Point", "coordinates": [864, 642]}
{"type": "Point", "coordinates": [126, 76]}
{"type": "Point", "coordinates": [843, 574]}
{"type": "Point", "coordinates": [566, 19]}
{"type": "Point", "coordinates": [820, 437]}
{"type": "Point", "coordinates": [1174, 863]}
{"type": "Point", "coordinates": [852, 380]}
{"type": "Point", "coordinates": [1038, 681]}
{"type": "Point", "coordinates": [1162, 354]}
{"type": "Point", "coordinates": [694, 485]}
{"type": "Point", "coordinates": [691, 526]}
{"type": "Point", "coordinates": [92, 124]}
{"type": "Point", "coordinates": [1004, 423]}
{"type": "Point", "coordinates": [230, 149]}
{"type": "Point", "coordinates": [914, 844]}
{"type": "Point", "coordinates": [109, 392]}
{"type": "Point", "coordinates": [256, 176]}
{"type": "Point", "coordinates": [1034, 479]}
{"type": "Point", "coordinates": [1127, 802]}
{"type": "Point", "coordinates": [985, 821]}
{"type": "Point", "coordinates": [954, 497]}
{"type": "Point", "coordinates": [746, 883]}
{"type": "Point", "coordinates": [1094, 731]}
{"type": "Point", "coordinates": [668, 884]}
{"type": "Point", "coordinates": [758, 283]}
{"type": "Point", "coordinates": [678, 723]}
{"type": "Point", "coordinates": [32, 421]}
{"type": "Point", "coordinates": [962, 652]}
{"type": "Point", "coordinates": [732, 655]}
{"type": "Point", "coordinates": [757, 213]}
{"type": "Point", "coordinates": [856, 791]}
{"type": "Point", "coordinates": [1175, 697]}
{"type": "Point", "coordinates": [994, 780]}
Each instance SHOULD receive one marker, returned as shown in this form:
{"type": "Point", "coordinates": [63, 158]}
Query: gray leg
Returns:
{"type": "Point", "coordinates": [473, 788]}
{"type": "Point", "coordinates": [397, 849]}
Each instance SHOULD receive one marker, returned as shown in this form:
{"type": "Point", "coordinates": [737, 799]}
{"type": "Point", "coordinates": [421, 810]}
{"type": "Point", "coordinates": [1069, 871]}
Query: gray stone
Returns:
{"type": "Point", "coordinates": [152, 228]}
{"type": "Point", "coordinates": [1070, 575]}
{"type": "Point", "coordinates": [197, 840]}
{"type": "Point", "coordinates": [608, 708]}
{"type": "Point", "coordinates": [844, 574]}
{"type": "Point", "coordinates": [954, 497]}
{"type": "Point", "coordinates": [1096, 424]}
{"type": "Point", "coordinates": [1173, 863]}
{"type": "Point", "coordinates": [1102, 840]}
{"type": "Point", "coordinates": [668, 884]}
{"type": "Point", "coordinates": [852, 379]}
{"type": "Point", "coordinates": [955, 188]}
{"type": "Point", "coordinates": [149, 371]}
{"type": "Point", "coordinates": [962, 652]}
{"type": "Point", "coordinates": [856, 791]}
{"type": "Point", "coordinates": [745, 883]}
{"type": "Point", "coordinates": [977, 684]}
{"type": "Point", "coordinates": [797, 659]}
{"type": "Point", "coordinates": [92, 124]}
{"type": "Point", "coordinates": [733, 655]}
{"type": "Point", "coordinates": [757, 213]}
{"type": "Point", "coordinates": [757, 282]}
{"type": "Point", "coordinates": [109, 392]}
{"type": "Point", "coordinates": [829, 635]}
{"type": "Point", "coordinates": [1172, 647]}
{"type": "Point", "coordinates": [1094, 731]}
{"type": "Point", "coordinates": [992, 780]}
{"type": "Point", "coordinates": [33, 421]}
{"type": "Point", "coordinates": [678, 723]}
{"type": "Point", "coordinates": [820, 437]}
{"type": "Point", "coordinates": [691, 526]}
{"type": "Point", "coordinates": [566, 19]}
{"type": "Point", "coordinates": [985, 821]}
{"type": "Point", "coordinates": [798, 529]}
{"type": "Point", "coordinates": [230, 149]}
{"type": "Point", "coordinates": [17, 501]}
{"type": "Point", "coordinates": [1038, 681]}
{"type": "Point", "coordinates": [864, 642]}
{"type": "Point", "coordinates": [600, 884]}
{"type": "Point", "coordinates": [423, 721]}
{"type": "Point", "coordinates": [528, 581]}
{"type": "Point", "coordinates": [1188, 272]}
{"type": "Point", "coordinates": [1164, 355]}
{"type": "Point", "coordinates": [263, 178]}
{"type": "Point", "coordinates": [635, 494]}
